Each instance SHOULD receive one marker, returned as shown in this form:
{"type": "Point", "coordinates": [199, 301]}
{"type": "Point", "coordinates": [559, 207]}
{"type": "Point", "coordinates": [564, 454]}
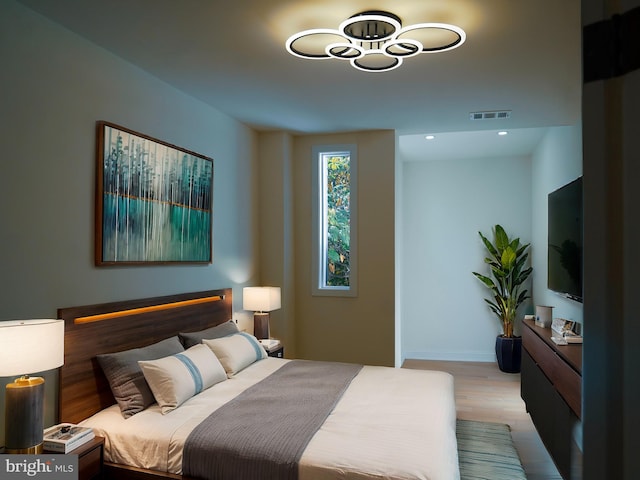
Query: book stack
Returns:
{"type": "Point", "coordinates": [567, 338]}
{"type": "Point", "coordinates": [270, 344]}
{"type": "Point", "coordinates": [65, 437]}
{"type": "Point", "coordinates": [571, 337]}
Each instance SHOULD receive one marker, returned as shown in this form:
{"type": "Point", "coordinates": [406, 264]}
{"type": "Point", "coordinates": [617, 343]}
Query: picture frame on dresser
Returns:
{"type": "Point", "coordinates": [154, 200]}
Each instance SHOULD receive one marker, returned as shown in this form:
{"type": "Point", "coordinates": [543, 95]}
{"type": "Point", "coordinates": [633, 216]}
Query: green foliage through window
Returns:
{"type": "Point", "coordinates": [337, 218]}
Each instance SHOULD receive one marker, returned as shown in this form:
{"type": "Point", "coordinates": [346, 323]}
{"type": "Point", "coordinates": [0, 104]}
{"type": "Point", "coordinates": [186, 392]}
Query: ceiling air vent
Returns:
{"type": "Point", "coordinates": [497, 115]}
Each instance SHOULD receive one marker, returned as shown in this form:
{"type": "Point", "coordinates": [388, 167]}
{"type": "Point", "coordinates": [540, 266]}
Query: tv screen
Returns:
{"type": "Point", "coordinates": [565, 241]}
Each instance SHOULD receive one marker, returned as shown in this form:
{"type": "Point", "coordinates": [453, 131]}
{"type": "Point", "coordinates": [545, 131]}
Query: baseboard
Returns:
{"type": "Point", "coordinates": [451, 356]}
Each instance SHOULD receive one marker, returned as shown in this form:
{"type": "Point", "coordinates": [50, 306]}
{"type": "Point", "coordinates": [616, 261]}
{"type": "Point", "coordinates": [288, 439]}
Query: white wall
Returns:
{"type": "Point", "coordinates": [556, 161]}
{"type": "Point", "coordinates": [55, 86]}
{"type": "Point", "coordinates": [445, 204]}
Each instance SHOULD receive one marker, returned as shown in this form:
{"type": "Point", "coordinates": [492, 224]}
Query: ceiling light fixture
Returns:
{"type": "Point", "coordinates": [375, 41]}
{"type": "Point", "coordinates": [430, 137]}
{"type": "Point", "coordinates": [502, 133]}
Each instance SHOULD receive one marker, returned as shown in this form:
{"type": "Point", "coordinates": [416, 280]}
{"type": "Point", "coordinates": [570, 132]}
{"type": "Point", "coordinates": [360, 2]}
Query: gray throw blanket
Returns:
{"type": "Point", "coordinates": [262, 433]}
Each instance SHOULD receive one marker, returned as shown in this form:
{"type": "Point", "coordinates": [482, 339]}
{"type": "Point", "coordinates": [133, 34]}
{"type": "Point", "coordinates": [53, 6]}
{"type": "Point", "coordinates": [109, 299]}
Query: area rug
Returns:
{"type": "Point", "coordinates": [486, 452]}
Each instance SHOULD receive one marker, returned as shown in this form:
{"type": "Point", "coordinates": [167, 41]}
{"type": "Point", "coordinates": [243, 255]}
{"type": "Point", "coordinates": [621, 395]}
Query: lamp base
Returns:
{"type": "Point", "coordinates": [261, 325]}
{"type": "Point", "coordinates": [35, 450]}
{"type": "Point", "coordinates": [24, 415]}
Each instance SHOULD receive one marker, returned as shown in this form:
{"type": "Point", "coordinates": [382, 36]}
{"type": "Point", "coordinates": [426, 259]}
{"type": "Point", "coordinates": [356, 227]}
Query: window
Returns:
{"type": "Point", "coordinates": [334, 220]}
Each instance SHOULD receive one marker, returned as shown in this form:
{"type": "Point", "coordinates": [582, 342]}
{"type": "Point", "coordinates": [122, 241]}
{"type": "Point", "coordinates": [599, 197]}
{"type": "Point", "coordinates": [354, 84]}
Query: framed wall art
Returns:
{"type": "Point", "coordinates": [153, 200]}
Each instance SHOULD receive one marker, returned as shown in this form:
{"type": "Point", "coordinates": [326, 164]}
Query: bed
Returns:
{"type": "Point", "coordinates": [385, 423]}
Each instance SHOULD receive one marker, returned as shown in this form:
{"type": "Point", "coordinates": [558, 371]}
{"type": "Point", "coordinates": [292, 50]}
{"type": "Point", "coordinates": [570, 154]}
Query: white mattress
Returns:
{"type": "Point", "coordinates": [390, 423]}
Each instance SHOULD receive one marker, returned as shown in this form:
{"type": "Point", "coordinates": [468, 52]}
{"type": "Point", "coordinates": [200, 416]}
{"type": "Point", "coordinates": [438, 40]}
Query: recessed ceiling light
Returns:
{"type": "Point", "coordinates": [430, 137]}
{"type": "Point", "coordinates": [502, 133]}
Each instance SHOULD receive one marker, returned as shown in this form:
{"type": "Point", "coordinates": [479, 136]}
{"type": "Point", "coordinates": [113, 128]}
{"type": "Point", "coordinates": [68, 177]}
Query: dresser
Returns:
{"type": "Point", "coordinates": [551, 387]}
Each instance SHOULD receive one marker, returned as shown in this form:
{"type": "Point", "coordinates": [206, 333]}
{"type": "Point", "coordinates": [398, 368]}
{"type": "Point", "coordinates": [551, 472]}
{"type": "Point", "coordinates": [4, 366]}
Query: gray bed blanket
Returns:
{"type": "Point", "coordinates": [262, 433]}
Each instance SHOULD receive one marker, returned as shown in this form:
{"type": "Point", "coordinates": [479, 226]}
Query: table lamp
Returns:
{"type": "Point", "coordinates": [27, 346]}
{"type": "Point", "coordinates": [261, 300]}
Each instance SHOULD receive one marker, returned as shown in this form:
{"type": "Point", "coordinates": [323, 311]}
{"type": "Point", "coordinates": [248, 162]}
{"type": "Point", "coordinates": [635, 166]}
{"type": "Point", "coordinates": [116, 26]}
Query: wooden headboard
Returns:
{"type": "Point", "coordinates": [113, 327]}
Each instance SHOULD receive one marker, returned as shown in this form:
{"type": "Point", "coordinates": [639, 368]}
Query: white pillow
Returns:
{"type": "Point", "coordinates": [236, 351]}
{"type": "Point", "coordinates": [176, 378]}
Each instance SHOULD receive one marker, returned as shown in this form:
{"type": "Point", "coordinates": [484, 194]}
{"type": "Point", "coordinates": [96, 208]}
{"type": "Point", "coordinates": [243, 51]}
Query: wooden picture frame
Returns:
{"type": "Point", "coordinates": [154, 201]}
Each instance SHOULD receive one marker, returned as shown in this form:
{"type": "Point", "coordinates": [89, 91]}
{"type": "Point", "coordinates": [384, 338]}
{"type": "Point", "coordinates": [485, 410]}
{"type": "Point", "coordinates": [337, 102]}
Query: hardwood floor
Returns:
{"type": "Point", "coordinates": [486, 394]}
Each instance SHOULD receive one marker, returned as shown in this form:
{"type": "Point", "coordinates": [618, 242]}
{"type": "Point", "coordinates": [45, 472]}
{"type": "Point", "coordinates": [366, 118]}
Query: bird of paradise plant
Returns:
{"type": "Point", "coordinates": [507, 259]}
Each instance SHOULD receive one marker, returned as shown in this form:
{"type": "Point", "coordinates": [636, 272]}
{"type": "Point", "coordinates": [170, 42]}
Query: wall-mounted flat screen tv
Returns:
{"type": "Point", "coordinates": [565, 241]}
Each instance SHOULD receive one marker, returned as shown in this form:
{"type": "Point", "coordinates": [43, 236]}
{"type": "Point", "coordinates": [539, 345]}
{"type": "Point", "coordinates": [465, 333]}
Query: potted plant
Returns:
{"type": "Point", "coordinates": [507, 261]}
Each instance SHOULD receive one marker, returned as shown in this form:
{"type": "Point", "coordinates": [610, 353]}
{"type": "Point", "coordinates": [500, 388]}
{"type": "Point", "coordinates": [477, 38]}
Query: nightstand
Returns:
{"type": "Point", "coordinates": [90, 459]}
{"type": "Point", "coordinates": [277, 352]}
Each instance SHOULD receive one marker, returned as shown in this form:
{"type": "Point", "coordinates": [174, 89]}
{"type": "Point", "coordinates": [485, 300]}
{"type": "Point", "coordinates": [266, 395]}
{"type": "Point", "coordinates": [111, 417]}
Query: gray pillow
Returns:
{"type": "Point", "coordinates": [125, 376]}
{"type": "Point", "coordinates": [219, 331]}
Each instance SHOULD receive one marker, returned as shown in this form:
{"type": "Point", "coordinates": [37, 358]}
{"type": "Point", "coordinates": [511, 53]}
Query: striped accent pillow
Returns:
{"type": "Point", "coordinates": [236, 352]}
{"type": "Point", "coordinates": [175, 379]}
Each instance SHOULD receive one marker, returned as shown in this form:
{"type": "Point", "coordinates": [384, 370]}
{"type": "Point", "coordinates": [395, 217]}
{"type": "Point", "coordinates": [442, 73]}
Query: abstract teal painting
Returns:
{"type": "Point", "coordinates": [153, 200]}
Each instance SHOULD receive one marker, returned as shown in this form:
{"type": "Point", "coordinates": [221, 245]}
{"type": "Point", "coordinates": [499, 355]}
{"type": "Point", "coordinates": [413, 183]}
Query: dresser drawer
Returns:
{"type": "Point", "coordinates": [565, 379]}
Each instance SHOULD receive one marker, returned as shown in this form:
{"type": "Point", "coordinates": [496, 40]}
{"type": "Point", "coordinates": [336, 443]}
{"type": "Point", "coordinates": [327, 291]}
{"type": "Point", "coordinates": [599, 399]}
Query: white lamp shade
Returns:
{"type": "Point", "coordinates": [261, 299]}
{"type": "Point", "coordinates": [30, 346]}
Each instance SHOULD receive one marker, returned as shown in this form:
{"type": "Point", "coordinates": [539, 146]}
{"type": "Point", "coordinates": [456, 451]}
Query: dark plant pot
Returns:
{"type": "Point", "coordinates": [509, 353]}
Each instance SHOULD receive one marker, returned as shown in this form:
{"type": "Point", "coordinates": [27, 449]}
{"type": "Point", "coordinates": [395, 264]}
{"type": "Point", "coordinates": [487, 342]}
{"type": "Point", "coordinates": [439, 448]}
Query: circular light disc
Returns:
{"type": "Point", "coordinates": [376, 62]}
{"type": "Point", "coordinates": [344, 51]}
{"type": "Point", "coordinates": [435, 37]}
{"type": "Point", "coordinates": [402, 48]}
{"type": "Point", "coordinates": [313, 43]}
